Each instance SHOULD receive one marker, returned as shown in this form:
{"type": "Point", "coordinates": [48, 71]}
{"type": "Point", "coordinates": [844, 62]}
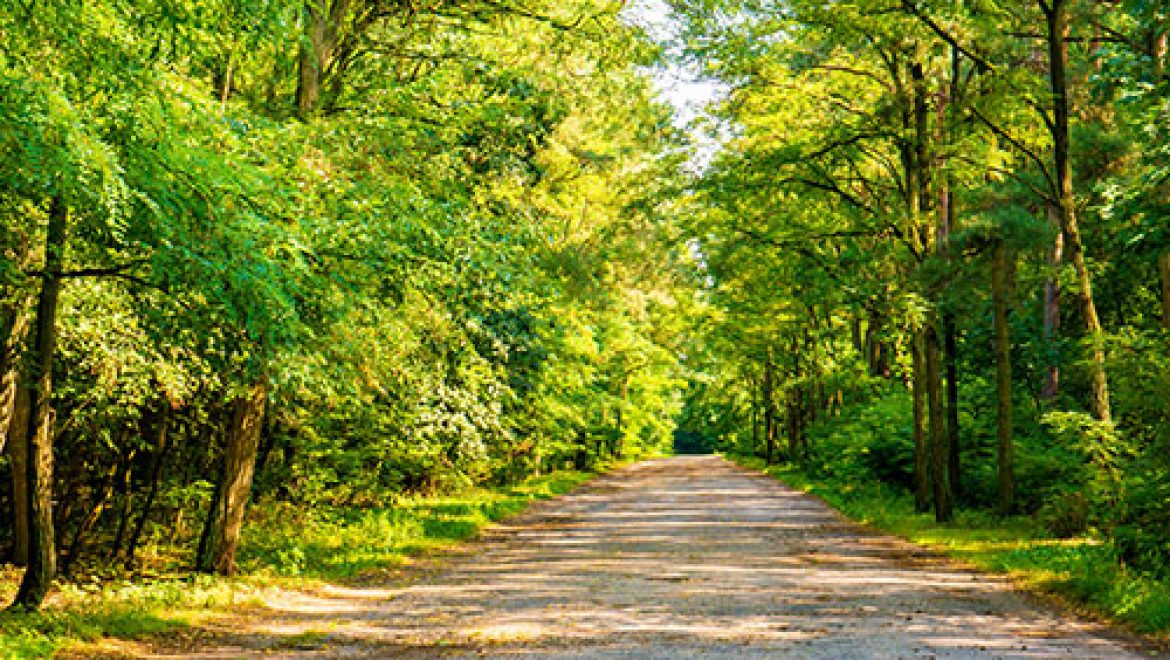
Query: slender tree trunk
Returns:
{"type": "Point", "coordinates": [162, 427]}
{"type": "Point", "coordinates": [879, 366]}
{"type": "Point", "coordinates": [14, 408]}
{"type": "Point", "coordinates": [755, 418]}
{"type": "Point", "coordinates": [792, 415]}
{"type": "Point", "coordinates": [13, 328]}
{"type": "Point", "coordinates": [322, 22]}
{"type": "Point", "coordinates": [855, 333]}
{"type": "Point", "coordinates": [1158, 53]}
{"type": "Point", "coordinates": [1003, 378]}
{"type": "Point", "coordinates": [225, 87]}
{"type": "Point", "coordinates": [769, 412]}
{"type": "Point", "coordinates": [1057, 15]}
{"type": "Point", "coordinates": [1164, 267]}
{"type": "Point", "coordinates": [1051, 387]}
{"type": "Point", "coordinates": [126, 510]}
{"type": "Point", "coordinates": [921, 429]}
{"type": "Point", "coordinates": [939, 477]}
{"type": "Point", "coordinates": [87, 524]}
{"type": "Point", "coordinates": [623, 394]}
{"type": "Point", "coordinates": [951, 365]}
{"type": "Point", "coordinates": [914, 120]}
{"type": "Point", "coordinates": [217, 552]}
{"type": "Point", "coordinates": [947, 227]}
{"type": "Point", "coordinates": [18, 456]}
{"type": "Point", "coordinates": [42, 551]}
{"type": "Point", "coordinates": [310, 66]}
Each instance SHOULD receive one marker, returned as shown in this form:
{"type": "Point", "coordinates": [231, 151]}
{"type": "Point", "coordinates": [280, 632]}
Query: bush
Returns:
{"type": "Point", "coordinates": [1066, 516]}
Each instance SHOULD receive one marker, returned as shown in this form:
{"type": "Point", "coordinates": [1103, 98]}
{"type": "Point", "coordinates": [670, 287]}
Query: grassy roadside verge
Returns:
{"type": "Point", "coordinates": [1080, 572]}
{"type": "Point", "coordinates": [283, 547]}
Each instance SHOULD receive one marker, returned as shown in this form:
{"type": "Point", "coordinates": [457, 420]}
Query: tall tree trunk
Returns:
{"type": "Point", "coordinates": [225, 86]}
{"type": "Point", "coordinates": [38, 382]}
{"type": "Point", "coordinates": [101, 499]}
{"type": "Point", "coordinates": [1158, 53]}
{"type": "Point", "coordinates": [14, 404]}
{"type": "Point", "coordinates": [217, 551]}
{"type": "Point", "coordinates": [13, 328]}
{"type": "Point", "coordinates": [1057, 15]}
{"type": "Point", "coordinates": [879, 365]}
{"type": "Point", "coordinates": [946, 227]}
{"type": "Point", "coordinates": [792, 418]}
{"type": "Point", "coordinates": [322, 22]}
{"type": "Point", "coordinates": [921, 428]}
{"type": "Point", "coordinates": [755, 394]}
{"type": "Point", "coordinates": [1051, 387]}
{"type": "Point", "coordinates": [855, 333]}
{"type": "Point", "coordinates": [1164, 267]}
{"type": "Point", "coordinates": [939, 476]}
{"type": "Point", "coordinates": [769, 411]}
{"type": "Point", "coordinates": [126, 508]}
{"type": "Point", "coordinates": [1003, 378]}
{"type": "Point", "coordinates": [14, 316]}
{"type": "Point", "coordinates": [162, 427]}
{"type": "Point", "coordinates": [18, 457]}
{"type": "Point", "coordinates": [951, 364]}
{"type": "Point", "coordinates": [619, 444]}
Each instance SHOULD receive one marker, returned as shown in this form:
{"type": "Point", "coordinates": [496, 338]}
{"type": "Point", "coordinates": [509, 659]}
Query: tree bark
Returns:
{"type": "Point", "coordinates": [1164, 267]}
{"type": "Point", "coordinates": [38, 438]}
{"type": "Point", "coordinates": [157, 461]}
{"type": "Point", "coordinates": [792, 417]}
{"type": "Point", "coordinates": [87, 523]}
{"type": "Point", "coordinates": [769, 411]}
{"type": "Point", "coordinates": [755, 396]}
{"type": "Point", "coordinates": [1057, 16]}
{"type": "Point", "coordinates": [1003, 378]}
{"type": "Point", "coordinates": [946, 226]}
{"type": "Point", "coordinates": [18, 457]}
{"type": "Point", "coordinates": [855, 333]}
{"type": "Point", "coordinates": [879, 365]}
{"type": "Point", "coordinates": [217, 551]}
{"type": "Point", "coordinates": [13, 328]}
{"type": "Point", "coordinates": [13, 331]}
{"type": "Point", "coordinates": [126, 508]}
{"type": "Point", "coordinates": [939, 476]}
{"type": "Point", "coordinates": [1051, 387]}
{"type": "Point", "coordinates": [1158, 54]}
{"type": "Point", "coordinates": [322, 23]}
{"type": "Point", "coordinates": [951, 366]}
{"type": "Point", "coordinates": [921, 429]}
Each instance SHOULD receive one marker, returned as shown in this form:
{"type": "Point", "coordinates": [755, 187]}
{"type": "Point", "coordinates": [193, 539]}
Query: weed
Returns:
{"type": "Point", "coordinates": [282, 545]}
{"type": "Point", "coordinates": [1084, 570]}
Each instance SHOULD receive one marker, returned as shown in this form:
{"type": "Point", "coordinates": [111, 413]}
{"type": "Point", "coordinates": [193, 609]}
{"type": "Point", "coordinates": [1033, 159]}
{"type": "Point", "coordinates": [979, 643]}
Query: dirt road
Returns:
{"type": "Point", "coordinates": [682, 557]}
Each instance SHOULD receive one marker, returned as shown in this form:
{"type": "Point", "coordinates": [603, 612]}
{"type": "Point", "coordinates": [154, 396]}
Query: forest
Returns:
{"type": "Point", "coordinates": [323, 253]}
{"type": "Point", "coordinates": [265, 258]}
{"type": "Point", "coordinates": [939, 249]}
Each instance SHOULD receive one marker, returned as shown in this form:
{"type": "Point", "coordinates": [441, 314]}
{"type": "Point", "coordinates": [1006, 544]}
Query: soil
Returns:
{"type": "Point", "coordinates": [682, 557]}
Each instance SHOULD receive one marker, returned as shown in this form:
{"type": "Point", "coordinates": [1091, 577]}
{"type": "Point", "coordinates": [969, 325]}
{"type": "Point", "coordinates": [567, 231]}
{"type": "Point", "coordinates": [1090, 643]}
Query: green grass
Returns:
{"type": "Point", "coordinates": [282, 546]}
{"type": "Point", "coordinates": [1083, 572]}
{"type": "Point", "coordinates": [343, 543]}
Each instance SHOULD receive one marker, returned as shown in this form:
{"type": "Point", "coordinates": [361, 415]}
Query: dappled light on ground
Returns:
{"type": "Point", "coordinates": [688, 556]}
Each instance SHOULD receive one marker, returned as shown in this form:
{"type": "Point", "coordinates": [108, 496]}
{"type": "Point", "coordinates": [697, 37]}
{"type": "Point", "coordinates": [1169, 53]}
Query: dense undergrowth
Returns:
{"type": "Point", "coordinates": [856, 464]}
{"type": "Point", "coordinates": [283, 547]}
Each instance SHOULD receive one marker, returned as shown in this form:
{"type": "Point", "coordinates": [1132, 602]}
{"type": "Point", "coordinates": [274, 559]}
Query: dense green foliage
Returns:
{"type": "Point", "coordinates": [942, 225]}
{"type": "Point", "coordinates": [361, 249]}
{"type": "Point", "coordinates": [332, 255]}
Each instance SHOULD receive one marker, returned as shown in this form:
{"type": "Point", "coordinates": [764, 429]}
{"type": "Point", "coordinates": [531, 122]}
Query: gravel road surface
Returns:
{"type": "Point", "coordinates": [683, 557]}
